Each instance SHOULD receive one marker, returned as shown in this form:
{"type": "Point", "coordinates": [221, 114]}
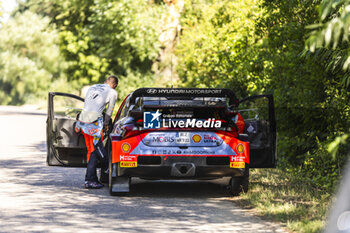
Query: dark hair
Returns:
{"type": "Point", "coordinates": [113, 78]}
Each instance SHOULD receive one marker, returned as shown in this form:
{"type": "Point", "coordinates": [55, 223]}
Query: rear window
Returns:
{"type": "Point", "coordinates": [163, 102]}
{"type": "Point", "coordinates": [183, 108]}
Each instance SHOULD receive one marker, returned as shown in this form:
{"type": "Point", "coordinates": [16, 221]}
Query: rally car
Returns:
{"type": "Point", "coordinates": [172, 133]}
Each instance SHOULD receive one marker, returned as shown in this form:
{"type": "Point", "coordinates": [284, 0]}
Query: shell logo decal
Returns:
{"type": "Point", "coordinates": [126, 147]}
{"type": "Point", "coordinates": [240, 148]}
{"type": "Point", "coordinates": [196, 138]}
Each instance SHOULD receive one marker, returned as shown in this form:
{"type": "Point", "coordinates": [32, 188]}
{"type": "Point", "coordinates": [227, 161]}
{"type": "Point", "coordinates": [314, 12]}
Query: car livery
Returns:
{"type": "Point", "coordinates": [201, 144]}
{"type": "Point", "coordinates": [175, 133]}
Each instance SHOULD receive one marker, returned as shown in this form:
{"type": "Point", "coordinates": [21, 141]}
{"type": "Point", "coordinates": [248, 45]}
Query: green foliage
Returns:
{"type": "Point", "coordinates": [29, 58]}
{"type": "Point", "coordinates": [126, 35]}
{"type": "Point", "coordinates": [312, 105]}
{"type": "Point", "coordinates": [215, 46]}
{"type": "Point", "coordinates": [330, 37]}
{"type": "Point", "coordinates": [103, 37]}
{"type": "Point", "coordinates": [258, 47]}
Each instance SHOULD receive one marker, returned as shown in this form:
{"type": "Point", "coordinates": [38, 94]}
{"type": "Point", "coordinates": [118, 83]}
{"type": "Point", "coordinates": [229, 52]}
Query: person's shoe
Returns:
{"type": "Point", "coordinates": [93, 185]}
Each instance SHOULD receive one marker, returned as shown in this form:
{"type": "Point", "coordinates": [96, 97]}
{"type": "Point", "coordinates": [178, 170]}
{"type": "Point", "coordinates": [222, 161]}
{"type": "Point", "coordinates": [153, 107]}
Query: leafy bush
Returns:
{"type": "Point", "coordinates": [257, 47]}
{"type": "Point", "coordinates": [29, 58]}
{"type": "Point", "coordinates": [103, 37]}
{"type": "Point", "coordinates": [215, 48]}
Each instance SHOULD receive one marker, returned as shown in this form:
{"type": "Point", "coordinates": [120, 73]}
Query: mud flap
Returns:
{"type": "Point", "coordinates": [120, 185]}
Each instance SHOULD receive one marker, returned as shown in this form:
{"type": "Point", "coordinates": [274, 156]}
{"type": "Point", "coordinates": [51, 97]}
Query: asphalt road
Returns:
{"type": "Point", "coordinates": [37, 198]}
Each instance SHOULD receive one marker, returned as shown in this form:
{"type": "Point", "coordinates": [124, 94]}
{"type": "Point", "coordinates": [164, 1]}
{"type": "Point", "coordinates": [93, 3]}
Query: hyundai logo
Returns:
{"type": "Point", "coordinates": [152, 91]}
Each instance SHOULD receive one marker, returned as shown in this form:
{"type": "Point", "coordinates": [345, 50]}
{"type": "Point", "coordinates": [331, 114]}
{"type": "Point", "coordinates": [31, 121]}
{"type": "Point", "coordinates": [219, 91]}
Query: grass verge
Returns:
{"type": "Point", "coordinates": [278, 196]}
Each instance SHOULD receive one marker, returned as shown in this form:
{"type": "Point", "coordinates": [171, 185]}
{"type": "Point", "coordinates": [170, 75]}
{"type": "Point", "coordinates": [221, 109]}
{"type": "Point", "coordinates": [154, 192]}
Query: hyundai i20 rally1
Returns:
{"type": "Point", "coordinates": [173, 133]}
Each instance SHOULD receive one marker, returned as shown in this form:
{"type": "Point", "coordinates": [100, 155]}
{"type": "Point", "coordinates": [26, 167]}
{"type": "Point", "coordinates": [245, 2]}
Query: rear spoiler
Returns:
{"type": "Point", "coordinates": [186, 92]}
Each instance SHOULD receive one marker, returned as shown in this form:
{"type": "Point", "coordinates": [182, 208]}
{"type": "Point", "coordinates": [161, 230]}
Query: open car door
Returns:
{"type": "Point", "coordinates": [64, 146]}
{"type": "Point", "coordinates": [260, 130]}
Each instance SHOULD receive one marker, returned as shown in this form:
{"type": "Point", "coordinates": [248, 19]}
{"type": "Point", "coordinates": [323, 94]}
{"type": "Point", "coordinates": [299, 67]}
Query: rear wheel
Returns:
{"type": "Point", "coordinates": [239, 184]}
{"type": "Point", "coordinates": [110, 178]}
{"type": "Point", "coordinates": [103, 171]}
{"type": "Point", "coordinates": [110, 171]}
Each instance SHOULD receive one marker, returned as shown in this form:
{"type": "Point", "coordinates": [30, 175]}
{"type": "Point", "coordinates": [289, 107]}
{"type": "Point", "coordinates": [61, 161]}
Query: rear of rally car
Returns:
{"type": "Point", "coordinates": [187, 134]}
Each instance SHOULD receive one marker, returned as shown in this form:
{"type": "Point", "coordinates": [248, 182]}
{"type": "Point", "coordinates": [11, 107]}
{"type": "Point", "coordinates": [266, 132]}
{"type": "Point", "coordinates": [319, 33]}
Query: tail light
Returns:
{"type": "Point", "coordinates": [129, 131]}
{"type": "Point", "coordinates": [126, 130]}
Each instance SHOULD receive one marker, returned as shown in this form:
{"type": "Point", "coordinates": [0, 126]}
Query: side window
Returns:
{"type": "Point", "coordinates": [125, 111]}
{"type": "Point", "coordinates": [122, 110]}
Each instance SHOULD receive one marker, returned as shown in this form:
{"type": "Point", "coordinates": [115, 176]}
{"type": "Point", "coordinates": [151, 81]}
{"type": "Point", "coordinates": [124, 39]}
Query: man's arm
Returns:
{"type": "Point", "coordinates": [112, 100]}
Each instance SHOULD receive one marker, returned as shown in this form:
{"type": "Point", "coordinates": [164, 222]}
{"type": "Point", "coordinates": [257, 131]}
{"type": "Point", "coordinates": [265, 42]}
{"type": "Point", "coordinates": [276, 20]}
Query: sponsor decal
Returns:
{"type": "Point", "coordinates": [163, 139]}
{"type": "Point", "coordinates": [128, 164]}
{"type": "Point", "coordinates": [179, 114]}
{"type": "Point", "coordinates": [183, 152]}
{"type": "Point", "coordinates": [126, 147]}
{"type": "Point", "coordinates": [210, 138]}
{"type": "Point", "coordinates": [161, 152]}
{"type": "Point", "coordinates": [128, 158]}
{"type": "Point", "coordinates": [152, 91]}
{"type": "Point", "coordinates": [238, 158]}
{"type": "Point", "coordinates": [237, 164]}
{"type": "Point", "coordinates": [251, 129]}
{"type": "Point", "coordinates": [240, 148]}
{"type": "Point", "coordinates": [151, 120]}
{"type": "Point", "coordinates": [191, 123]}
{"type": "Point", "coordinates": [183, 91]}
{"type": "Point", "coordinates": [196, 138]}
{"type": "Point", "coordinates": [182, 138]}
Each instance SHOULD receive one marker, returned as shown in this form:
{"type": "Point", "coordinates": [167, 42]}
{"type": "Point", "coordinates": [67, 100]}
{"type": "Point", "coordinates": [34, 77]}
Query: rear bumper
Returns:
{"type": "Point", "coordinates": [180, 167]}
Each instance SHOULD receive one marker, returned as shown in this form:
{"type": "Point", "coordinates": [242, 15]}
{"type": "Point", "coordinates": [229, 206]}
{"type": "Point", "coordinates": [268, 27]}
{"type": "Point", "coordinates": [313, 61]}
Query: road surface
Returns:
{"type": "Point", "coordinates": [37, 198]}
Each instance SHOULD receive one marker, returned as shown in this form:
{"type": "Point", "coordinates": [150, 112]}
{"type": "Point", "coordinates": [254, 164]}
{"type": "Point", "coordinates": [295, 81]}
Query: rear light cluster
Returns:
{"type": "Point", "coordinates": [126, 131]}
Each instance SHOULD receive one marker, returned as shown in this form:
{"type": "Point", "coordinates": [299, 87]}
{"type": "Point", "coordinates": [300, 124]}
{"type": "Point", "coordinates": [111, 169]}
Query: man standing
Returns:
{"type": "Point", "coordinates": [91, 124]}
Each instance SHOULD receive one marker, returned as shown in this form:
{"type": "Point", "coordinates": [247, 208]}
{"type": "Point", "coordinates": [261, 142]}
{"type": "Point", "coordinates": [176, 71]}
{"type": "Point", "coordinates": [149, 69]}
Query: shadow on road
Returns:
{"type": "Point", "coordinates": [178, 188]}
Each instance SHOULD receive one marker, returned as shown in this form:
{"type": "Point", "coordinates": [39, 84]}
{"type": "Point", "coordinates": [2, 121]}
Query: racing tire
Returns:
{"type": "Point", "coordinates": [103, 174]}
{"type": "Point", "coordinates": [110, 179]}
{"type": "Point", "coordinates": [239, 184]}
